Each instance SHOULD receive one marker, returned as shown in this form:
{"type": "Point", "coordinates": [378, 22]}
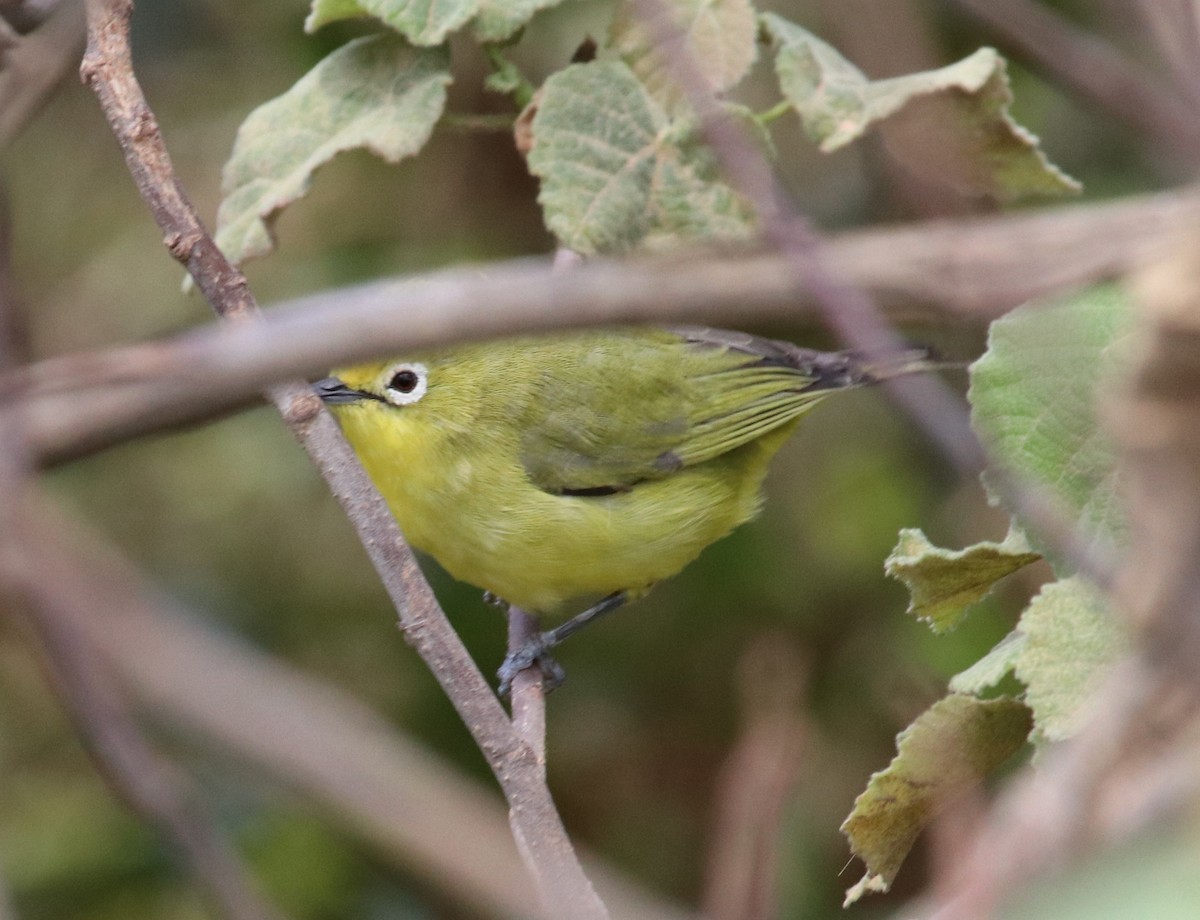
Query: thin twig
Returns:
{"type": "Point", "coordinates": [108, 69]}
{"type": "Point", "coordinates": [977, 268]}
{"type": "Point", "coordinates": [1095, 70]}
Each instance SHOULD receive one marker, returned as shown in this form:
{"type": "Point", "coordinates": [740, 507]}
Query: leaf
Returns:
{"type": "Point", "coordinates": [943, 584]}
{"type": "Point", "coordinates": [616, 170]}
{"type": "Point", "coordinates": [951, 125]}
{"type": "Point", "coordinates": [949, 748]}
{"type": "Point", "coordinates": [992, 667]}
{"type": "Point", "coordinates": [719, 33]}
{"type": "Point", "coordinates": [1033, 399]}
{"type": "Point", "coordinates": [1072, 640]}
{"type": "Point", "coordinates": [376, 92]}
{"type": "Point", "coordinates": [423, 22]}
{"type": "Point", "coordinates": [499, 20]}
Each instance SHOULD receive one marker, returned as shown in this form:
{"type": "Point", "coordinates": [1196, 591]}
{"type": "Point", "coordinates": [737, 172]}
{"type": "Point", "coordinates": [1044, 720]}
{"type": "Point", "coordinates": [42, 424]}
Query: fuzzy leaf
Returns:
{"type": "Point", "coordinates": [949, 748]}
{"type": "Point", "coordinates": [616, 170]}
{"type": "Point", "coordinates": [376, 92]}
{"type": "Point", "coordinates": [1033, 401]}
{"type": "Point", "coordinates": [1072, 640]}
{"type": "Point", "coordinates": [953, 122]}
{"type": "Point", "coordinates": [423, 22]}
{"type": "Point", "coordinates": [720, 33]}
{"type": "Point", "coordinates": [943, 584]}
{"type": "Point", "coordinates": [992, 667]}
{"type": "Point", "coordinates": [499, 20]}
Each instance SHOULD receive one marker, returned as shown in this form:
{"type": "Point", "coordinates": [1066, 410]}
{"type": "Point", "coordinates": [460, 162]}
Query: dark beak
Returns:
{"type": "Point", "coordinates": [333, 391]}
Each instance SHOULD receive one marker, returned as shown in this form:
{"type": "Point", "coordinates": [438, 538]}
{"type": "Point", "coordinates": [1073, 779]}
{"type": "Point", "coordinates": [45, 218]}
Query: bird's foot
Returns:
{"type": "Point", "coordinates": [534, 651]}
{"type": "Point", "coordinates": [494, 600]}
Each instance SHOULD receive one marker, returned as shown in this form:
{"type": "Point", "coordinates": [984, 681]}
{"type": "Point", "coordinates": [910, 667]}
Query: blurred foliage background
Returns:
{"type": "Point", "coordinates": [230, 518]}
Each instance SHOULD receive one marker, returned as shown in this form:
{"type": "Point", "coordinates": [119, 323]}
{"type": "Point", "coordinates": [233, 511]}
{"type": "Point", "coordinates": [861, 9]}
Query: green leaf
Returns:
{"type": "Point", "coordinates": [992, 667]}
{"type": "Point", "coordinates": [943, 584]}
{"type": "Point", "coordinates": [948, 749]}
{"type": "Point", "coordinates": [499, 20]}
{"type": "Point", "coordinates": [1072, 640]}
{"type": "Point", "coordinates": [956, 118]}
{"type": "Point", "coordinates": [616, 171]}
{"type": "Point", "coordinates": [1034, 396]}
{"type": "Point", "coordinates": [376, 92]}
{"type": "Point", "coordinates": [718, 33]}
{"type": "Point", "coordinates": [423, 22]}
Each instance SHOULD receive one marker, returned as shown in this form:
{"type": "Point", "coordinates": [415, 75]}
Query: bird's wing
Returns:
{"type": "Point", "coordinates": [636, 405]}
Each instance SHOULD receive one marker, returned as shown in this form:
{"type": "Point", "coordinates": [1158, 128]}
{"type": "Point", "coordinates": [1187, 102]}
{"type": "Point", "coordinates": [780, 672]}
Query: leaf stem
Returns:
{"type": "Point", "coordinates": [507, 78]}
{"type": "Point", "coordinates": [776, 111]}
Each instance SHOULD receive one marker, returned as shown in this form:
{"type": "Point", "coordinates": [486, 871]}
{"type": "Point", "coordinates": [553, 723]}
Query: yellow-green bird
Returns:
{"type": "Point", "coordinates": [559, 469]}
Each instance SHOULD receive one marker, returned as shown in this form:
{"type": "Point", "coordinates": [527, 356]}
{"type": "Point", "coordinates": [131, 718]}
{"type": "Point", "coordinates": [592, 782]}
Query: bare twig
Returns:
{"type": "Point", "coordinates": [1095, 70]}
{"type": "Point", "coordinates": [108, 69]}
{"type": "Point", "coordinates": [977, 268]}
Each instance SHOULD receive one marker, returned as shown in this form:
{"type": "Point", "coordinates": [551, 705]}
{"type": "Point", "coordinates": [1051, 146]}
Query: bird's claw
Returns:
{"type": "Point", "coordinates": [533, 652]}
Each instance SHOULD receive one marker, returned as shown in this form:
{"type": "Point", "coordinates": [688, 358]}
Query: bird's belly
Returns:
{"type": "Point", "coordinates": [542, 551]}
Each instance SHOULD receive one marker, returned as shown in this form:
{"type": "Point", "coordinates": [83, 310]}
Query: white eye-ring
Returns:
{"type": "Point", "coordinates": [406, 383]}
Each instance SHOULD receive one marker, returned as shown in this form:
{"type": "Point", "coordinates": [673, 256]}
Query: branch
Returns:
{"type": "Point", "coordinates": [418, 811]}
{"type": "Point", "coordinates": [108, 69]}
{"type": "Point", "coordinates": [35, 64]}
{"type": "Point", "coordinates": [976, 268]}
{"type": "Point", "coordinates": [1095, 70]}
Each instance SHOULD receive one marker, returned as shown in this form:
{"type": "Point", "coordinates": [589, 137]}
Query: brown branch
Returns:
{"type": "Point", "coordinates": [976, 268]}
{"type": "Point", "coordinates": [108, 69]}
{"type": "Point", "coordinates": [418, 811]}
{"type": "Point", "coordinates": [1175, 27]}
{"type": "Point", "coordinates": [1095, 70]}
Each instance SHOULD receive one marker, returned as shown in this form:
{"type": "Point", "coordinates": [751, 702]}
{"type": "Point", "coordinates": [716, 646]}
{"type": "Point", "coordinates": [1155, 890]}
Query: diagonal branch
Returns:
{"type": "Point", "coordinates": [108, 69]}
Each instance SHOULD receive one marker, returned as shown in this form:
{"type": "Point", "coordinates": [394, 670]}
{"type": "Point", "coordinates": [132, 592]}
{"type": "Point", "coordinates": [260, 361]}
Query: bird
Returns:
{"type": "Point", "coordinates": [570, 472]}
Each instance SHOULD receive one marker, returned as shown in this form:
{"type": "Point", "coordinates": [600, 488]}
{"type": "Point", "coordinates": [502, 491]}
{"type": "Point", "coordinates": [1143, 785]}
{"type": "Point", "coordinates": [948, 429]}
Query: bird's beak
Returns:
{"type": "Point", "coordinates": [333, 391]}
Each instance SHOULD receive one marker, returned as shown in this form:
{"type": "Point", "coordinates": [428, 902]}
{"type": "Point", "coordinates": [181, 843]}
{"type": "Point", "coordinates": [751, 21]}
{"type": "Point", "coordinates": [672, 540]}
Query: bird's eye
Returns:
{"type": "Point", "coordinates": [406, 383]}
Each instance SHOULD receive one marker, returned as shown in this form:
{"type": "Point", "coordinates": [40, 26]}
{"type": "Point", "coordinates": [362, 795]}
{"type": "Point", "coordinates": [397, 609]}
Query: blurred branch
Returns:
{"type": "Point", "coordinates": [1175, 27]}
{"type": "Point", "coordinates": [1135, 762]}
{"type": "Point", "coordinates": [422, 813]}
{"type": "Point", "coordinates": [108, 68]}
{"type": "Point", "coordinates": [52, 595]}
{"type": "Point", "coordinates": [1095, 70]}
{"type": "Point", "coordinates": [755, 784]}
{"type": "Point", "coordinates": [33, 64]}
{"type": "Point", "coordinates": [976, 268]}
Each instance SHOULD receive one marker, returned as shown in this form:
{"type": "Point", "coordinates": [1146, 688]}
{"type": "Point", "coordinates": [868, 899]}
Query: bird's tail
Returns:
{"type": "Point", "coordinates": [841, 369]}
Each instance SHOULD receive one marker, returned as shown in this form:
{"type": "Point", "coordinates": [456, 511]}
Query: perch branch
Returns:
{"type": "Point", "coordinates": [108, 69]}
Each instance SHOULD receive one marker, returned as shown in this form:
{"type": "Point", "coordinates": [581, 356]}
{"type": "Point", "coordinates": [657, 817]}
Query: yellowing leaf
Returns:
{"type": "Point", "coordinates": [720, 34]}
{"type": "Point", "coordinates": [949, 748]}
{"type": "Point", "coordinates": [379, 93]}
{"type": "Point", "coordinates": [423, 22]}
{"type": "Point", "coordinates": [617, 171]}
{"type": "Point", "coordinates": [953, 122]}
{"type": "Point", "coordinates": [943, 583]}
{"type": "Point", "coordinates": [992, 667]}
{"type": "Point", "coordinates": [1072, 641]}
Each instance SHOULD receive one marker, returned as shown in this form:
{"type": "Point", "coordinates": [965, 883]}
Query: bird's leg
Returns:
{"type": "Point", "coordinates": [536, 649]}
